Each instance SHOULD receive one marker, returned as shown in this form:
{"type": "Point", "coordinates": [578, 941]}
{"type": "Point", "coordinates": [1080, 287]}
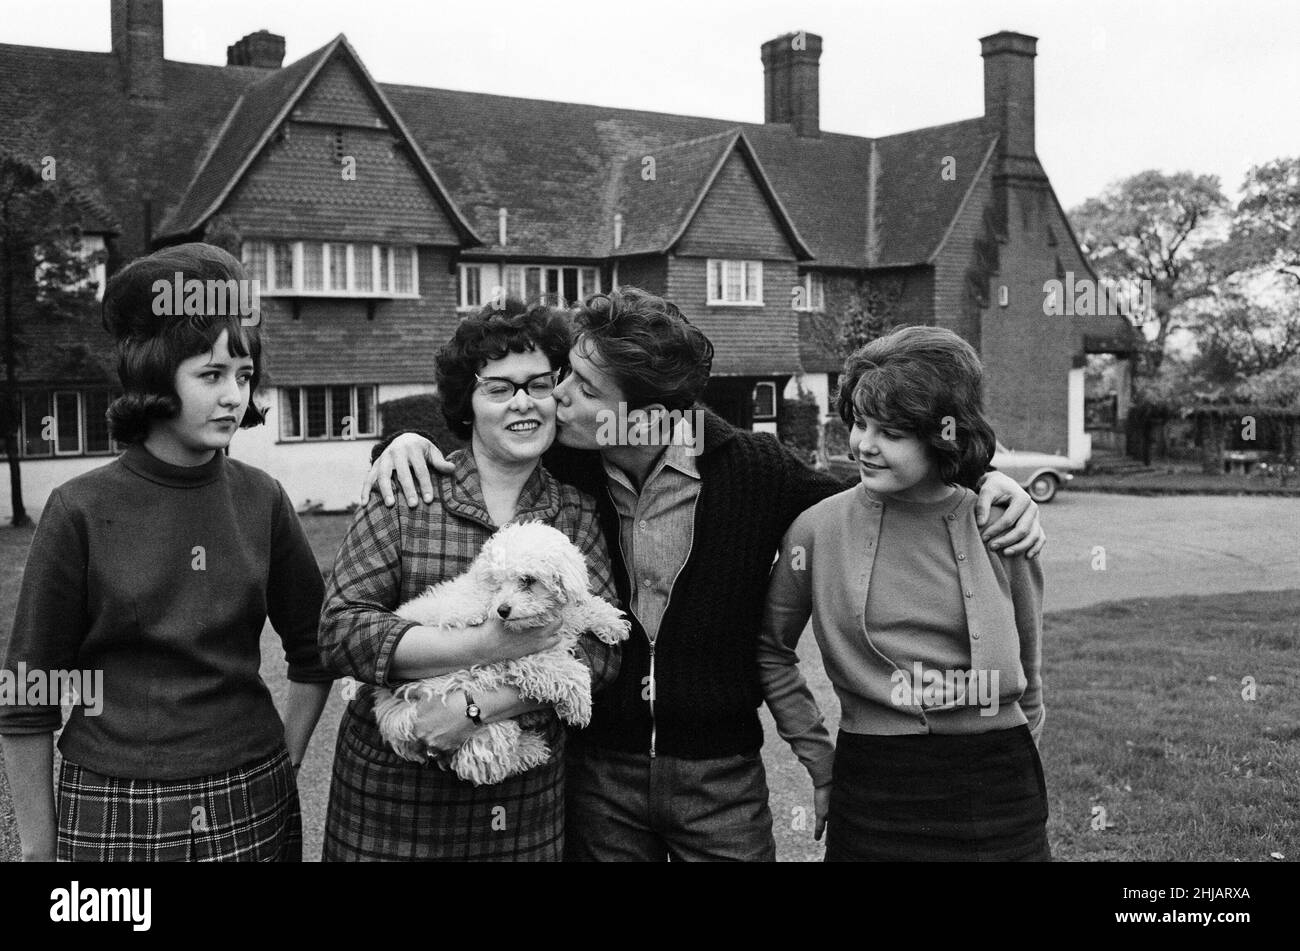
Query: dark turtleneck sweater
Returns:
{"type": "Point", "coordinates": [162, 577]}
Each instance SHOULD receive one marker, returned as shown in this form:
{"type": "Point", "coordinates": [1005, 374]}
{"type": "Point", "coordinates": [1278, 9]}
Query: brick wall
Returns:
{"type": "Point", "coordinates": [334, 342]}
{"type": "Point", "coordinates": [1027, 355]}
{"type": "Point", "coordinates": [648, 273]}
{"type": "Point", "coordinates": [747, 340]}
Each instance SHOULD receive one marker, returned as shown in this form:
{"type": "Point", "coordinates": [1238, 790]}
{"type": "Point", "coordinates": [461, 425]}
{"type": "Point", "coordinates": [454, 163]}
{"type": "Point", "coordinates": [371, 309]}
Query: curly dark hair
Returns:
{"type": "Point", "coordinates": [648, 346]}
{"type": "Point", "coordinates": [151, 346]}
{"type": "Point", "coordinates": [924, 380]}
{"type": "Point", "coordinates": [490, 334]}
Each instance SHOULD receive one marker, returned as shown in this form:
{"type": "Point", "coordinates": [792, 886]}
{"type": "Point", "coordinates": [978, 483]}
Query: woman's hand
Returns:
{"type": "Point", "coordinates": [497, 643]}
{"type": "Point", "coordinates": [442, 726]}
{"type": "Point", "coordinates": [1017, 532]}
{"type": "Point", "coordinates": [408, 453]}
{"type": "Point", "coordinates": [821, 808]}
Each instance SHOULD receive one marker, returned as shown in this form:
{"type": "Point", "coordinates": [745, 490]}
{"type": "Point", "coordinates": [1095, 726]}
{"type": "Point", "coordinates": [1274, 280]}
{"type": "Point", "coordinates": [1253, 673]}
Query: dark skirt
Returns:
{"type": "Point", "coordinates": [385, 808]}
{"type": "Point", "coordinates": [247, 814]}
{"type": "Point", "coordinates": [933, 797]}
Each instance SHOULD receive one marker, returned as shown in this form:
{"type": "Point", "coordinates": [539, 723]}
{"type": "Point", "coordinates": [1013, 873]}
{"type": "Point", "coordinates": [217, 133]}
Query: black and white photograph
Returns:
{"type": "Point", "coordinates": [844, 431]}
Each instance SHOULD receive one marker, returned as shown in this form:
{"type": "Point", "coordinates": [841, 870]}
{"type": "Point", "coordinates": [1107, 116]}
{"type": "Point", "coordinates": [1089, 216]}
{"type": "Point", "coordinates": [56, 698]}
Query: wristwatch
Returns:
{"type": "Point", "coordinates": [473, 710]}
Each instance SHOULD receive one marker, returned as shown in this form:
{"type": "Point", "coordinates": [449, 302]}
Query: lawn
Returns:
{"type": "Point", "coordinates": [1146, 721]}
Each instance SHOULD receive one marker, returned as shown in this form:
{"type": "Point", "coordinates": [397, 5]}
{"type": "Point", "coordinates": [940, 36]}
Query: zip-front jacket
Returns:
{"type": "Point", "coordinates": [706, 688]}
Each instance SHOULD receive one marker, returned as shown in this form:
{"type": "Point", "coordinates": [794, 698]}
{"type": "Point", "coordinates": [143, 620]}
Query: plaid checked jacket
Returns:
{"type": "Point", "coordinates": [381, 806]}
{"type": "Point", "coordinates": [391, 555]}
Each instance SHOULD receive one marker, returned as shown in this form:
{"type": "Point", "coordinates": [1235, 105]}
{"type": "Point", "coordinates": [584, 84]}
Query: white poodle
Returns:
{"type": "Point", "coordinates": [530, 574]}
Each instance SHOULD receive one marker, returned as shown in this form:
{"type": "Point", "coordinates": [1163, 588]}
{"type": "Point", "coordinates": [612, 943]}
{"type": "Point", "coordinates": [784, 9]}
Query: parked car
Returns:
{"type": "Point", "coordinates": [1040, 473]}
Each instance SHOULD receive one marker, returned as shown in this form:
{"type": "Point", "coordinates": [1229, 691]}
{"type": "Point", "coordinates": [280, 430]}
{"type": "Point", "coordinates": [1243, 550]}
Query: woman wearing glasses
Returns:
{"type": "Point", "coordinates": [496, 379]}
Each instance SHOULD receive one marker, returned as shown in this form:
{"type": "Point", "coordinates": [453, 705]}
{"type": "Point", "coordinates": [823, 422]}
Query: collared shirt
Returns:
{"type": "Point", "coordinates": [657, 525]}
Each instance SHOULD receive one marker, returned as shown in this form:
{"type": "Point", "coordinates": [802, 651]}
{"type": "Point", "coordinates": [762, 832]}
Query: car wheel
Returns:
{"type": "Point", "coordinates": [1043, 489]}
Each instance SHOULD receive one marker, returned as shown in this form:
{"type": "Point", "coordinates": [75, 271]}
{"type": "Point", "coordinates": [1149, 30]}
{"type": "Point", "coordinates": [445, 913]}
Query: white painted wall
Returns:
{"type": "Point", "coordinates": [40, 477]}
{"type": "Point", "coordinates": [326, 472]}
{"type": "Point", "coordinates": [1079, 449]}
{"type": "Point", "coordinates": [815, 383]}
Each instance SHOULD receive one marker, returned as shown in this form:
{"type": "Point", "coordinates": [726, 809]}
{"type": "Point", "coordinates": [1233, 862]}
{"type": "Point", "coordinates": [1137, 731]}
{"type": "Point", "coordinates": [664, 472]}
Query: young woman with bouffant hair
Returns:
{"type": "Point", "coordinates": [157, 572]}
{"type": "Point", "coordinates": [930, 639]}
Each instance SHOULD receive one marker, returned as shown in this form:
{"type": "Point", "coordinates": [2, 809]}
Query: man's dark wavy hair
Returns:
{"type": "Point", "coordinates": [150, 346]}
{"type": "Point", "coordinates": [490, 334]}
{"type": "Point", "coordinates": [917, 379]}
{"type": "Point", "coordinates": [647, 345]}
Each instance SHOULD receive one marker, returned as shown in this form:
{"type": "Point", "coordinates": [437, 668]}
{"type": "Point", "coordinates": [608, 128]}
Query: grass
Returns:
{"type": "Point", "coordinates": [1182, 482]}
{"type": "Point", "coordinates": [1145, 720]}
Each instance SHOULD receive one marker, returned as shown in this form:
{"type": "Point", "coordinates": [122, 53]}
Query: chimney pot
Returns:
{"type": "Point", "coordinates": [262, 49]}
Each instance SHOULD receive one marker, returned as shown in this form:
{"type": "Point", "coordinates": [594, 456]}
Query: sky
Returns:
{"type": "Point", "coordinates": [1122, 85]}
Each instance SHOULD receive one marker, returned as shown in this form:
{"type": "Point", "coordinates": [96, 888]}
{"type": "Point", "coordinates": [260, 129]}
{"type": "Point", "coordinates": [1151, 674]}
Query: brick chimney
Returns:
{"type": "Point", "coordinates": [1009, 89]}
{"type": "Point", "coordinates": [790, 82]}
{"type": "Point", "coordinates": [263, 49]}
{"type": "Point", "coordinates": [138, 46]}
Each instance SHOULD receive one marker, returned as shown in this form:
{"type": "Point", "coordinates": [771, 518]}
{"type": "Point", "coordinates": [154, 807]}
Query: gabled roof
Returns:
{"type": "Point", "coordinates": [254, 119]}
{"type": "Point", "coordinates": [655, 218]}
{"type": "Point", "coordinates": [558, 168]}
{"type": "Point", "coordinates": [915, 206]}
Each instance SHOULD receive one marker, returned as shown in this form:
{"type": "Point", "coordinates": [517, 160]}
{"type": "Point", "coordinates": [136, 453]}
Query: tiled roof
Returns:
{"type": "Point", "coordinates": [117, 152]}
{"type": "Point", "coordinates": [242, 130]}
{"type": "Point", "coordinates": [557, 167]}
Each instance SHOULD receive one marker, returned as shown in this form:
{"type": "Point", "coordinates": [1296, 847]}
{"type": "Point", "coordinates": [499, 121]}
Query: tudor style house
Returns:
{"type": "Point", "coordinates": [375, 215]}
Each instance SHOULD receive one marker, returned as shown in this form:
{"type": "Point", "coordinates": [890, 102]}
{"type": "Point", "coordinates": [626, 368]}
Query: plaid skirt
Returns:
{"type": "Point", "coordinates": [247, 814]}
{"type": "Point", "coordinates": [977, 797]}
{"type": "Point", "coordinates": [385, 808]}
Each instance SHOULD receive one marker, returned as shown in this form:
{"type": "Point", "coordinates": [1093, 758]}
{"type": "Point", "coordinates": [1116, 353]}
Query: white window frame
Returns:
{"type": "Point", "coordinates": [814, 292]}
{"type": "Point", "coordinates": [514, 273]}
{"type": "Point", "coordinates": [717, 287]}
{"type": "Point", "coordinates": [51, 409]}
{"type": "Point", "coordinates": [372, 433]}
{"type": "Point", "coordinates": [771, 386]}
{"type": "Point", "coordinates": [381, 263]}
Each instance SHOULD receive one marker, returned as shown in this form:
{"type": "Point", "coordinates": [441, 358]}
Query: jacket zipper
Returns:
{"type": "Point", "coordinates": [695, 505]}
{"type": "Point", "coordinates": [654, 725]}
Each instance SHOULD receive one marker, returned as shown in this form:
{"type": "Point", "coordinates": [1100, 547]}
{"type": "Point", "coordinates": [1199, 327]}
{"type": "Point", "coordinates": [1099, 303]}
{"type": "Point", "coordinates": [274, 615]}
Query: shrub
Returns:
{"type": "Point", "coordinates": [423, 412]}
{"type": "Point", "coordinates": [797, 424]}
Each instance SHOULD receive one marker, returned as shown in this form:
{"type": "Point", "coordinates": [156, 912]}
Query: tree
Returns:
{"type": "Point", "coordinates": [1248, 322]}
{"type": "Point", "coordinates": [868, 313]}
{"type": "Point", "coordinates": [1266, 226]}
{"type": "Point", "coordinates": [1149, 227]}
{"type": "Point", "coordinates": [44, 276]}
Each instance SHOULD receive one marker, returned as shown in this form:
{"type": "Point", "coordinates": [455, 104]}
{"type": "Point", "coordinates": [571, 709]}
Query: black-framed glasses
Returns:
{"type": "Point", "coordinates": [498, 389]}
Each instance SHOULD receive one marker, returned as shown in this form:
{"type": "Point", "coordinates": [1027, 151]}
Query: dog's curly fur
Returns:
{"type": "Point", "coordinates": [530, 574]}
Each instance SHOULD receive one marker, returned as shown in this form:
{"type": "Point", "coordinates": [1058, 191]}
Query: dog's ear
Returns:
{"type": "Point", "coordinates": [570, 572]}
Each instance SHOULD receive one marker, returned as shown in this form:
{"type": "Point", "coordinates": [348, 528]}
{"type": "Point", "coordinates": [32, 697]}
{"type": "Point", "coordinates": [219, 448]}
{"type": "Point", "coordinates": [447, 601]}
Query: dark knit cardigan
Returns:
{"type": "Point", "coordinates": [706, 654]}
